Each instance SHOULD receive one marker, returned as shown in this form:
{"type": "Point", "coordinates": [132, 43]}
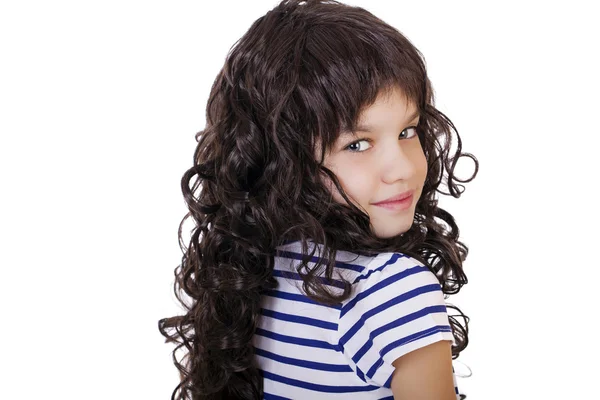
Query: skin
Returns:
{"type": "Point", "coordinates": [425, 373]}
{"type": "Point", "coordinates": [388, 161]}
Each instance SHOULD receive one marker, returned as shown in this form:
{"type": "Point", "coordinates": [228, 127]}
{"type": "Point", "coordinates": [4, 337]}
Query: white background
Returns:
{"type": "Point", "coordinates": [99, 104]}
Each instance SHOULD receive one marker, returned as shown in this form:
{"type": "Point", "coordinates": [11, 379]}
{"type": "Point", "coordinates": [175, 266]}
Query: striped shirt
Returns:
{"type": "Point", "coordinates": [306, 350]}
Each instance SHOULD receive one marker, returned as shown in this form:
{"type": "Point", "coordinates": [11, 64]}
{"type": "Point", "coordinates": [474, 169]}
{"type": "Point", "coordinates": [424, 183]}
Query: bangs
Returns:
{"type": "Point", "coordinates": [343, 68]}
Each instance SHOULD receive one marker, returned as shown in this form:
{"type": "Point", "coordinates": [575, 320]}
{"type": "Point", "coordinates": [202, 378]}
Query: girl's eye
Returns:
{"type": "Point", "coordinates": [348, 148]}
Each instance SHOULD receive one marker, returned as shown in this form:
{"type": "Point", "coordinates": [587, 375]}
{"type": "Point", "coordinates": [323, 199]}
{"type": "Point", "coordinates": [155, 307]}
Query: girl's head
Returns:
{"type": "Point", "coordinates": [382, 159]}
{"type": "Point", "coordinates": [320, 110]}
{"type": "Point", "coordinates": [288, 106]}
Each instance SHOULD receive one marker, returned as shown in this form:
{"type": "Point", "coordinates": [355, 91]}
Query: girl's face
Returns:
{"type": "Point", "coordinates": [384, 159]}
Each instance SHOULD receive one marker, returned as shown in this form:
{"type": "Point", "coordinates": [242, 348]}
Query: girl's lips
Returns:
{"type": "Point", "coordinates": [401, 196]}
{"type": "Point", "coordinates": [397, 205]}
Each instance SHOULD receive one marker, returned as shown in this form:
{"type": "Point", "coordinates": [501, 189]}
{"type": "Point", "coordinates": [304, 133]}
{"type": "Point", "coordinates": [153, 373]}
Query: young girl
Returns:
{"type": "Point", "coordinates": [320, 260]}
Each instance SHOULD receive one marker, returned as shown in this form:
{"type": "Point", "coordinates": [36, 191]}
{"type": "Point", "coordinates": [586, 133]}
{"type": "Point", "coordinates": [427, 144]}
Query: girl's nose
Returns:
{"type": "Point", "coordinates": [397, 163]}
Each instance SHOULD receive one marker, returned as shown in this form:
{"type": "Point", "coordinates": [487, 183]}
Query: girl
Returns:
{"type": "Point", "coordinates": [320, 260]}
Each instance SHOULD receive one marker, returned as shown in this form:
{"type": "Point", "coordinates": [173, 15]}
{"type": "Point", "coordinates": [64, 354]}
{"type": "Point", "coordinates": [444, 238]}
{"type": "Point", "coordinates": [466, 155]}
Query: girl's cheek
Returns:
{"type": "Point", "coordinates": [330, 186]}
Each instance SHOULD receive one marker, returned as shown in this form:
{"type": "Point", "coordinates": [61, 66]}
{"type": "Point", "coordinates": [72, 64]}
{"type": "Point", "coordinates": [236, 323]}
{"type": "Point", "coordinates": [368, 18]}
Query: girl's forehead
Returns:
{"type": "Point", "coordinates": [391, 103]}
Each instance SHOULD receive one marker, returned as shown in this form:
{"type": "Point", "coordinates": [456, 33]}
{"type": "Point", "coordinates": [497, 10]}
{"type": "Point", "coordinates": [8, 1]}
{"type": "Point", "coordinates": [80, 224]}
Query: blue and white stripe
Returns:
{"type": "Point", "coordinates": [307, 350]}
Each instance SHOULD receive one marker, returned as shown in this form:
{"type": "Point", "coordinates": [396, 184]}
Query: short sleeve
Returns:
{"type": "Point", "coordinates": [397, 307]}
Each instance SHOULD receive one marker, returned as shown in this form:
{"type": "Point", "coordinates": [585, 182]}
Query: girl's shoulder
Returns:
{"type": "Point", "coordinates": [358, 269]}
{"type": "Point", "coordinates": [397, 306]}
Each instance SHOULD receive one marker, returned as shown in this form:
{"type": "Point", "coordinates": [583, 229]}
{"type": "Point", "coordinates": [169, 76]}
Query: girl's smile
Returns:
{"type": "Point", "coordinates": [397, 204]}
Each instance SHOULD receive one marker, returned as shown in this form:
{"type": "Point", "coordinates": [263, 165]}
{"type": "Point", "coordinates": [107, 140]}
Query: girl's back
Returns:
{"type": "Point", "coordinates": [306, 350]}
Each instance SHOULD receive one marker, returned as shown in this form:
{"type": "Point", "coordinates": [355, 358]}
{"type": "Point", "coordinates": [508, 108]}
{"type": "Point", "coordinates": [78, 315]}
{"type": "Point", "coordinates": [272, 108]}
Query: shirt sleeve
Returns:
{"type": "Point", "coordinates": [397, 307]}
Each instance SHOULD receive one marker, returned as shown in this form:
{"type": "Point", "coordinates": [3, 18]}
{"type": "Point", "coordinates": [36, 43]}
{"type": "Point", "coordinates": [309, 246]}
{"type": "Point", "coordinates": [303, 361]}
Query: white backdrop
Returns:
{"type": "Point", "coordinates": [99, 104]}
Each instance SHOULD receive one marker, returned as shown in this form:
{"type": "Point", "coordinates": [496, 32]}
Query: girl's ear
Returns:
{"type": "Point", "coordinates": [317, 151]}
{"type": "Point", "coordinates": [320, 159]}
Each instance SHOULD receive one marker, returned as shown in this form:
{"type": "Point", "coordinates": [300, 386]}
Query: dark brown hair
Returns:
{"type": "Point", "coordinates": [299, 76]}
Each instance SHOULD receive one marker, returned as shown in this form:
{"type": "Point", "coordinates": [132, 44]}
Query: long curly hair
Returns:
{"type": "Point", "coordinates": [299, 76]}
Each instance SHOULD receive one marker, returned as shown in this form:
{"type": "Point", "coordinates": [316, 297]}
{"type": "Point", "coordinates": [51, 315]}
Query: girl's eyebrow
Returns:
{"type": "Point", "coordinates": [369, 128]}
